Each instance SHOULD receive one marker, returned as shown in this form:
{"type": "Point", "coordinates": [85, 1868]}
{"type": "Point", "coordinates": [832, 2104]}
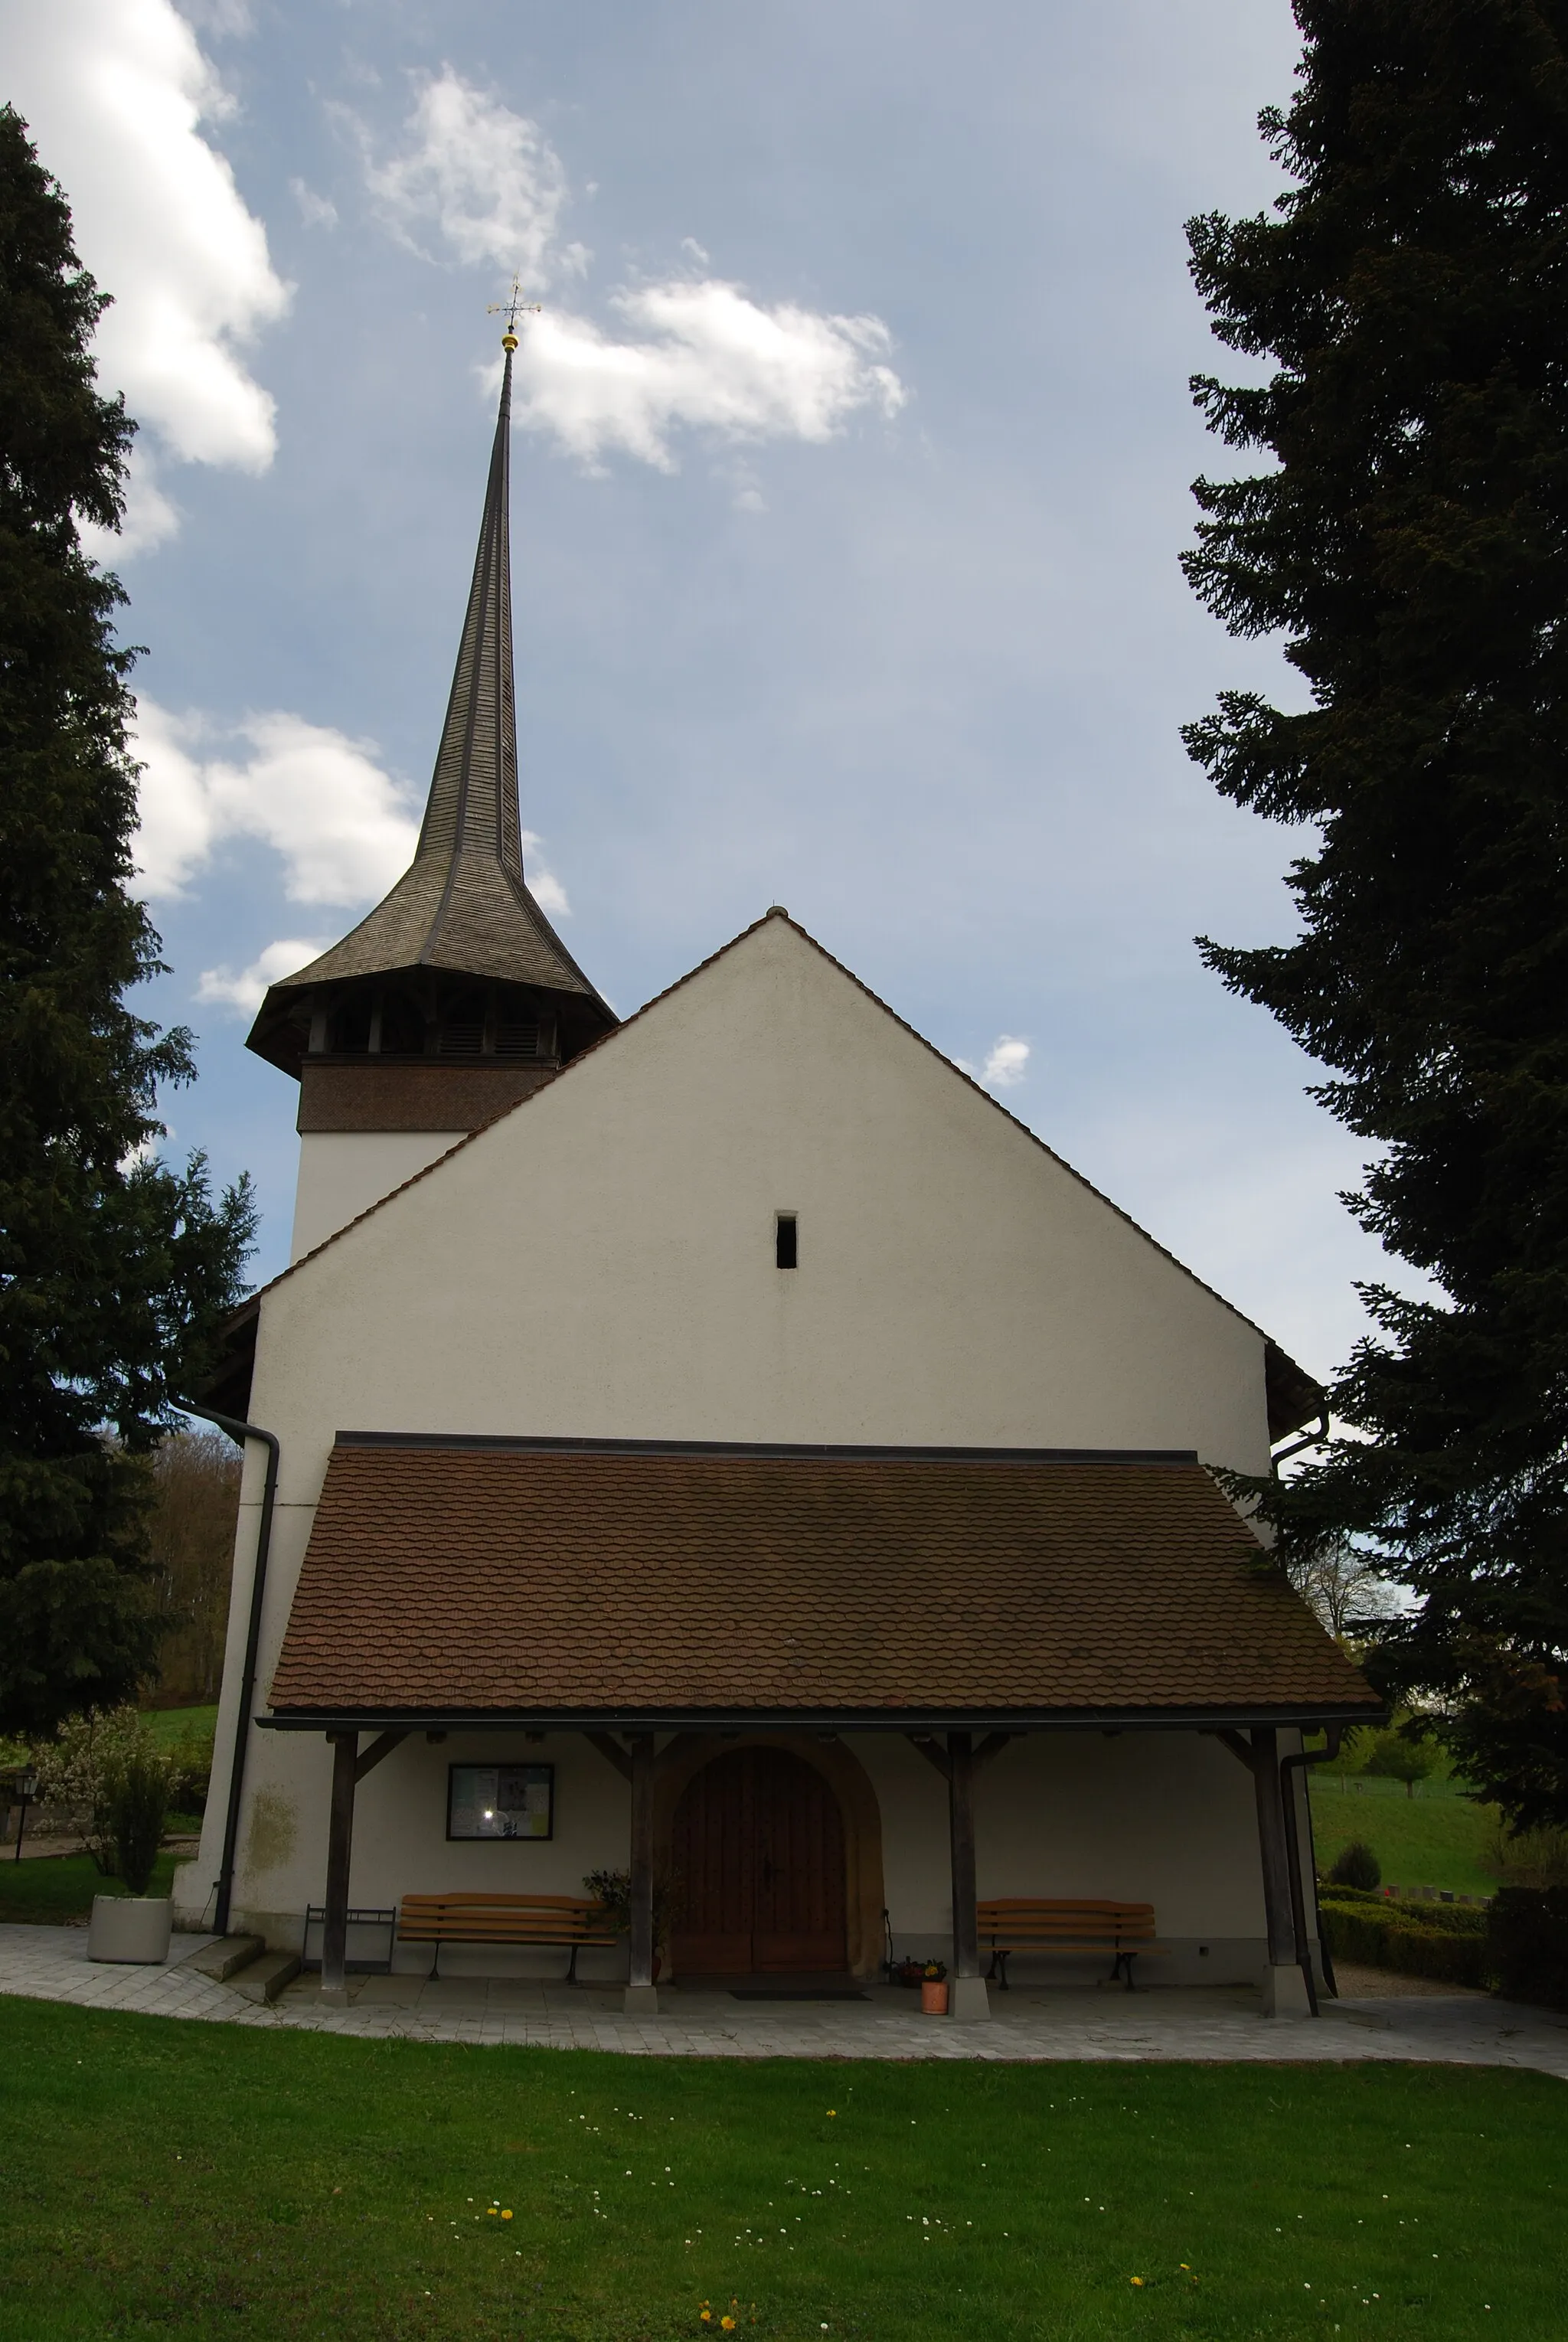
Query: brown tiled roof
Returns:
{"type": "Point", "coordinates": [519, 1579]}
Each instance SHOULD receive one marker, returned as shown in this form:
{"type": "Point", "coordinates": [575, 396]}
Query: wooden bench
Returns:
{"type": "Point", "coordinates": [1033, 1923]}
{"type": "Point", "coordinates": [560, 1922]}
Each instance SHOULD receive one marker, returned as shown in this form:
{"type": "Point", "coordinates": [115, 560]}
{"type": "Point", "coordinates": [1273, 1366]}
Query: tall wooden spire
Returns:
{"type": "Point", "coordinates": [463, 909]}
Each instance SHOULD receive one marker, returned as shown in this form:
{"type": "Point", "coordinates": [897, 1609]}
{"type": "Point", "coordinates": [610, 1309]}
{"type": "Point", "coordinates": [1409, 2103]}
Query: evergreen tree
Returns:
{"type": "Point", "coordinates": [1410, 538]}
{"type": "Point", "coordinates": [115, 1270]}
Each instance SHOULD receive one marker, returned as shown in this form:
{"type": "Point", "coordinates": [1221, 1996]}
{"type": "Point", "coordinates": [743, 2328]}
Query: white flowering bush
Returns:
{"type": "Point", "coordinates": [107, 1771]}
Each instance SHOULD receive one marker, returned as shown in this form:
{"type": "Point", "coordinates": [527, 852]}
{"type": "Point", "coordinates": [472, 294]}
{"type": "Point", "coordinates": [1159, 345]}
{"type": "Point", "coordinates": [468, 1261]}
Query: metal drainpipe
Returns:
{"type": "Point", "coordinates": [1298, 1904]}
{"type": "Point", "coordinates": [241, 1432]}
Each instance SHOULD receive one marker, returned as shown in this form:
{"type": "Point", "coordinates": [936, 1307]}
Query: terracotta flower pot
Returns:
{"type": "Point", "coordinates": [933, 1997]}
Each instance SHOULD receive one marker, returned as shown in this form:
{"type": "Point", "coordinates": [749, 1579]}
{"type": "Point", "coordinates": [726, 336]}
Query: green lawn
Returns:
{"type": "Point", "coordinates": [187, 2181]}
{"type": "Point", "coordinates": [59, 1888]}
{"type": "Point", "coordinates": [172, 1724]}
{"type": "Point", "coordinates": [1433, 1839]}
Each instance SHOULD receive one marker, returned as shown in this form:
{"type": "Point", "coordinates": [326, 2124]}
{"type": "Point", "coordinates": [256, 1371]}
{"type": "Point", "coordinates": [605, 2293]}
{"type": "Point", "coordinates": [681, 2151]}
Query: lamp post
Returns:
{"type": "Point", "coordinates": [26, 1786]}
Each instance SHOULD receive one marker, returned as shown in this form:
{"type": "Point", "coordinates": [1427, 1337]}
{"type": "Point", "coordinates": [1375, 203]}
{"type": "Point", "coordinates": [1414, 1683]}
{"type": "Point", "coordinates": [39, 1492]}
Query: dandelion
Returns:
{"type": "Point", "coordinates": [1136, 2280]}
{"type": "Point", "coordinates": [833, 2113]}
{"type": "Point", "coordinates": [727, 2322]}
{"type": "Point", "coordinates": [505, 2215]}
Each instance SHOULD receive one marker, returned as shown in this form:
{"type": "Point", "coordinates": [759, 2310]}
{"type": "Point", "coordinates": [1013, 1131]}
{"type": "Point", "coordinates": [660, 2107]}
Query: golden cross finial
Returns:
{"type": "Point", "coordinates": [511, 309]}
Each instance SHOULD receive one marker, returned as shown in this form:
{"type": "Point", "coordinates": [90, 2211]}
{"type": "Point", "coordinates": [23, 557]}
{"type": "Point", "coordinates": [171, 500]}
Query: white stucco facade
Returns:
{"type": "Point", "coordinates": [600, 1262]}
{"type": "Point", "coordinates": [1165, 1818]}
{"type": "Point", "coordinates": [342, 1172]}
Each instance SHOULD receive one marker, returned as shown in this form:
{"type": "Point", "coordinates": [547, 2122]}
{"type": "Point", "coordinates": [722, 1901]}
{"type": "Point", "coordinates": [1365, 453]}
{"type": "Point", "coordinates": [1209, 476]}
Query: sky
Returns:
{"type": "Point", "coordinates": [851, 470]}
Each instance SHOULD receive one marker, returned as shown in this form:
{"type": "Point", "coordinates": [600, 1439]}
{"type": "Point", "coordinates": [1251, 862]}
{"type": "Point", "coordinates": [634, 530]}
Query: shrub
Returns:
{"type": "Point", "coordinates": [1537, 1857]}
{"type": "Point", "coordinates": [1358, 1867]}
{"type": "Point", "coordinates": [1389, 1935]}
{"type": "Point", "coordinates": [191, 1758]}
{"type": "Point", "coordinates": [1447, 1918]}
{"type": "Point", "coordinates": [136, 1801]}
{"type": "Point", "coordinates": [613, 1890]}
{"type": "Point", "coordinates": [109, 1773]}
{"type": "Point", "coordinates": [1527, 1944]}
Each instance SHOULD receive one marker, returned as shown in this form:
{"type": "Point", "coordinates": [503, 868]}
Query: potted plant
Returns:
{"type": "Point", "coordinates": [933, 1988]}
{"type": "Point", "coordinates": [613, 1890]}
{"type": "Point", "coordinates": [109, 1770]}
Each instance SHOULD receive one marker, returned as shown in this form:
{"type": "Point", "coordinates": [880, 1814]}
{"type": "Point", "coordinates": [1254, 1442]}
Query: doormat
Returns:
{"type": "Point", "coordinates": [751, 1992]}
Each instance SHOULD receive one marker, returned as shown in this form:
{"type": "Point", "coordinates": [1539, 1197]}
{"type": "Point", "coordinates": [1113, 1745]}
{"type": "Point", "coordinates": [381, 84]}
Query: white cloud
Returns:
{"type": "Point", "coordinates": [115, 93]}
{"type": "Point", "coordinates": [1007, 1063]}
{"type": "Point", "coordinates": [315, 211]}
{"type": "Point", "coordinates": [542, 885]}
{"type": "Point", "coordinates": [484, 185]}
{"type": "Point", "coordinates": [229, 19]}
{"type": "Point", "coordinates": [244, 992]}
{"type": "Point", "coordinates": [705, 356]}
{"type": "Point", "coordinates": [150, 518]}
{"type": "Point", "coordinates": [344, 829]}
{"type": "Point", "coordinates": [487, 180]}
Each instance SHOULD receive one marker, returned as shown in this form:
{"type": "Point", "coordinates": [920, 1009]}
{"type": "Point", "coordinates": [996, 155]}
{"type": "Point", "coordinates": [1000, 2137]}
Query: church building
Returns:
{"type": "Point", "coordinates": [725, 1446]}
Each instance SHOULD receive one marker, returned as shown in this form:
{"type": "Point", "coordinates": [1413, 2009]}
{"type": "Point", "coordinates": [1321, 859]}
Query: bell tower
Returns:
{"type": "Point", "coordinates": [454, 999]}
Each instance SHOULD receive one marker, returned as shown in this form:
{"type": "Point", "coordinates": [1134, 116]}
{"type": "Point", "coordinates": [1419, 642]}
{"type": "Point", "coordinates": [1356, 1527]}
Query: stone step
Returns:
{"type": "Point", "coordinates": [226, 1959]}
{"type": "Point", "coordinates": [264, 1979]}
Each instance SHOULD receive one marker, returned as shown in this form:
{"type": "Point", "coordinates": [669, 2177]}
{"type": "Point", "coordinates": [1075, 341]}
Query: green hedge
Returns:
{"type": "Point", "coordinates": [1390, 1935]}
{"type": "Point", "coordinates": [1453, 1918]}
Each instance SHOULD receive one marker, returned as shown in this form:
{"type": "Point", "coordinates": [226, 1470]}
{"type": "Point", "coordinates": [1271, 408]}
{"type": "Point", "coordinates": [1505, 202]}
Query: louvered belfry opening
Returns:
{"type": "Point", "coordinates": [458, 970]}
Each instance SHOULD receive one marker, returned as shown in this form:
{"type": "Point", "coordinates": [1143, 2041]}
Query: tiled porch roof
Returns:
{"type": "Point", "coordinates": [516, 1577]}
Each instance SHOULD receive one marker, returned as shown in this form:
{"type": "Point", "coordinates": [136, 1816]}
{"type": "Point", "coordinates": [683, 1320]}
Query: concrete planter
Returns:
{"type": "Point", "coordinates": [133, 1929]}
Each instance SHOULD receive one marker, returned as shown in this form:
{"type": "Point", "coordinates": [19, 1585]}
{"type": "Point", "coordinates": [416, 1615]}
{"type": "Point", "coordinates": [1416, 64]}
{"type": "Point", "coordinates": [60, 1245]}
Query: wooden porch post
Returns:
{"type": "Point", "coordinates": [641, 1993]}
{"type": "Point", "coordinates": [966, 1994]}
{"type": "Point", "coordinates": [1284, 1988]}
{"type": "Point", "coordinates": [339, 1852]}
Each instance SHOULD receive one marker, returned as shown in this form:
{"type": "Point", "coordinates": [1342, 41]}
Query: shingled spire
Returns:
{"type": "Point", "coordinates": [459, 954]}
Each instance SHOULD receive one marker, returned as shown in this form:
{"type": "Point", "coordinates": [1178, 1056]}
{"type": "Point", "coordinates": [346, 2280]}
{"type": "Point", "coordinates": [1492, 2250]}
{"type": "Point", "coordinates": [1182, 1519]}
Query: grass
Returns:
{"type": "Point", "coordinates": [58, 1890]}
{"type": "Point", "coordinates": [1433, 1839]}
{"type": "Point", "coordinates": [172, 1724]}
{"type": "Point", "coordinates": [190, 2181]}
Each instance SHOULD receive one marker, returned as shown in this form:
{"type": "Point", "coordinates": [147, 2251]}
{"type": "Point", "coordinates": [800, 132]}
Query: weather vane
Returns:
{"type": "Point", "coordinates": [511, 309]}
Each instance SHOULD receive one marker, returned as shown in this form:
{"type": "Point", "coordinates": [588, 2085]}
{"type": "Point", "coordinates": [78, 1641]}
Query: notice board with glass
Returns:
{"type": "Point", "coordinates": [500, 1801]}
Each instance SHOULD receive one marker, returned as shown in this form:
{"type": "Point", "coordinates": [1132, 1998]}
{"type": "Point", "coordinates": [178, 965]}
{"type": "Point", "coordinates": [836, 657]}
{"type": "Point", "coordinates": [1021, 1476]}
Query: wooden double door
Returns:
{"type": "Point", "coordinates": [758, 1857]}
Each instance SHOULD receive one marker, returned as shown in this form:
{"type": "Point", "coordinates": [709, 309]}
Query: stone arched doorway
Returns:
{"type": "Point", "coordinates": [771, 1859]}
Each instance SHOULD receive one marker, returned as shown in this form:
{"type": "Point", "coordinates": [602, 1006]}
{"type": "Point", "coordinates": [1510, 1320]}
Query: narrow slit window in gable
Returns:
{"type": "Point", "coordinates": [784, 1251]}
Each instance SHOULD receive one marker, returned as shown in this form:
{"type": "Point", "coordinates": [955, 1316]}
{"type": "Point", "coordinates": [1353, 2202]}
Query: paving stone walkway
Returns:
{"type": "Point", "coordinates": [1221, 2025]}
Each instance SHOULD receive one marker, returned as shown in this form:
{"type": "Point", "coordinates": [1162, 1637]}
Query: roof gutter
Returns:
{"type": "Point", "coordinates": [1305, 1718]}
{"type": "Point", "coordinates": [240, 1432]}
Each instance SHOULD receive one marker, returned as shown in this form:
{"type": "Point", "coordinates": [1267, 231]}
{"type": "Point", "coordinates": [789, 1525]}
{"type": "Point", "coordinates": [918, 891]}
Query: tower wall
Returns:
{"type": "Point", "coordinates": [342, 1172]}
